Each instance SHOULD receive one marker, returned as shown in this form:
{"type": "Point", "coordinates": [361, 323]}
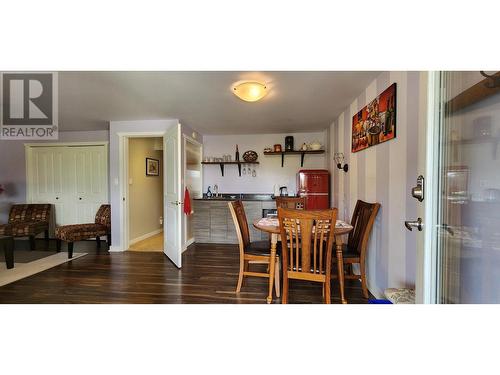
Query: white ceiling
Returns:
{"type": "Point", "coordinates": [297, 101]}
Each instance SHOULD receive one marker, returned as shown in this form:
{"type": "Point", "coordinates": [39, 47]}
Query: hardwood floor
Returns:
{"type": "Point", "coordinates": [209, 275]}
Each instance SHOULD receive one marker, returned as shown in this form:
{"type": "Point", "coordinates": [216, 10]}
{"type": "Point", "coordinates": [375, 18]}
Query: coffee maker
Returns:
{"type": "Point", "coordinates": [283, 191]}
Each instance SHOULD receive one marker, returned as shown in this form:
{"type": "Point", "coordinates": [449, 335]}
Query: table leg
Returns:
{"type": "Point", "coordinates": [340, 267]}
{"type": "Point", "coordinates": [272, 266]}
{"type": "Point", "coordinates": [9, 252]}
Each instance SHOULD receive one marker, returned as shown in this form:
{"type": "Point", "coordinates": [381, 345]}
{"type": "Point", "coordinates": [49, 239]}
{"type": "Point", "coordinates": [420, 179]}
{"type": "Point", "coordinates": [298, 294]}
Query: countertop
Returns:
{"type": "Point", "coordinates": [234, 196]}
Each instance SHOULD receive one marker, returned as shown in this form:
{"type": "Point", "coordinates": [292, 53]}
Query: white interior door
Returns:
{"type": "Point", "coordinates": [47, 179]}
{"type": "Point", "coordinates": [89, 166]}
{"type": "Point", "coordinates": [172, 202]}
{"type": "Point", "coordinates": [72, 178]}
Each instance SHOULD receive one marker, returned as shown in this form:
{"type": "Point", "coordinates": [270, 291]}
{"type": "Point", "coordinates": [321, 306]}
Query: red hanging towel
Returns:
{"type": "Point", "coordinates": [187, 202]}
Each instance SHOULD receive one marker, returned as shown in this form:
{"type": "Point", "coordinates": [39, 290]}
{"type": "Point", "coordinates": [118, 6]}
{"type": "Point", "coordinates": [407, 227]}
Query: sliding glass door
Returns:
{"type": "Point", "coordinates": [466, 223]}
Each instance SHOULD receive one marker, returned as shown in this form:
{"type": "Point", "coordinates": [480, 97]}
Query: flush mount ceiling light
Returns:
{"type": "Point", "coordinates": [250, 91]}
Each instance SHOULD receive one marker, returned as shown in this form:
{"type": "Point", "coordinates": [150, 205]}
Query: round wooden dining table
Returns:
{"type": "Point", "coordinates": [272, 227]}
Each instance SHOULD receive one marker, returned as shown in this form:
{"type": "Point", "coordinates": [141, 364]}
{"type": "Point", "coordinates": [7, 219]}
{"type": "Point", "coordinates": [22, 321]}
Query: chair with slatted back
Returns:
{"type": "Point", "coordinates": [307, 241]}
{"type": "Point", "coordinates": [257, 252]}
{"type": "Point", "coordinates": [297, 203]}
{"type": "Point", "coordinates": [354, 252]}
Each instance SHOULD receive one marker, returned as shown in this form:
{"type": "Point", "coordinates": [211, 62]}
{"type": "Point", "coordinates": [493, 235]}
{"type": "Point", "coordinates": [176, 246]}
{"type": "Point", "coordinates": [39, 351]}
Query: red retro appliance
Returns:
{"type": "Point", "coordinates": [314, 185]}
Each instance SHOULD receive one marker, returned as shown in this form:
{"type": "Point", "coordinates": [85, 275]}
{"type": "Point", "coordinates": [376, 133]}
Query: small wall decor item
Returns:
{"type": "Point", "coordinates": [277, 148]}
{"type": "Point", "coordinates": [152, 167]}
{"type": "Point", "coordinates": [338, 157]}
{"type": "Point", "coordinates": [289, 143]}
{"type": "Point", "coordinates": [250, 156]}
{"type": "Point", "coordinates": [376, 122]}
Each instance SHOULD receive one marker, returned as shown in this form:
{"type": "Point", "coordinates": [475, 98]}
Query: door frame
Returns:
{"type": "Point", "coordinates": [123, 178]}
{"type": "Point", "coordinates": [185, 140]}
{"type": "Point", "coordinates": [427, 254]}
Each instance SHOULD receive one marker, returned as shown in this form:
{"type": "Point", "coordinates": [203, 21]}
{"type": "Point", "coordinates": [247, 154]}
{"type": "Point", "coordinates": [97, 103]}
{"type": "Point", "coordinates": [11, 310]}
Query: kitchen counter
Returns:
{"type": "Point", "coordinates": [213, 223]}
{"type": "Point", "coordinates": [234, 196]}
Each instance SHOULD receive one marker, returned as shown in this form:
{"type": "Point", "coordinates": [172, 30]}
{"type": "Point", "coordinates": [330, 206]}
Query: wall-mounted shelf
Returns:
{"type": "Point", "coordinates": [223, 163]}
{"type": "Point", "coordinates": [301, 153]}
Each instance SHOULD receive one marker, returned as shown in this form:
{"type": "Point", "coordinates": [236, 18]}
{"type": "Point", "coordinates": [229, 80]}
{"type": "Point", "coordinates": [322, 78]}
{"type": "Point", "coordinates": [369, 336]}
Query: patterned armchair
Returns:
{"type": "Point", "coordinates": [79, 232]}
{"type": "Point", "coordinates": [28, 220]}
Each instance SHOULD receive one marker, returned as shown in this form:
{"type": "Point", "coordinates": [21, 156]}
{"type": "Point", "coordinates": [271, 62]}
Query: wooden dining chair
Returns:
{"type": "Point", "coordinates": [257, 252]}
{"type": "Point", "coordinates": [297, 203]}
{"type": "Point", "coordinates": [354, 252]}
{"type": "Point", "coordinates": [307, 239]}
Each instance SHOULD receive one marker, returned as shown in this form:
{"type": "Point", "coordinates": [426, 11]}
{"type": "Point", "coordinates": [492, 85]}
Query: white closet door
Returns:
{"type": "Point", "coordinates": [72, 178]}
{"type": "Point", "coordinates": [89, 165]}
{"type": "Point", "coordinates": [48, 180]}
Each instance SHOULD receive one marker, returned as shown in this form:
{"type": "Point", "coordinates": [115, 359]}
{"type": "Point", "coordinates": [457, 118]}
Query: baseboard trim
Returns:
{"type": "Point", "coordinates": [188, 243]}
{"type": "Point", "coordinates": [115, 249]}
{"type": "Point", "coordinates": [379, 294]}
{"type": "Point", "coordinates": [144, 236]}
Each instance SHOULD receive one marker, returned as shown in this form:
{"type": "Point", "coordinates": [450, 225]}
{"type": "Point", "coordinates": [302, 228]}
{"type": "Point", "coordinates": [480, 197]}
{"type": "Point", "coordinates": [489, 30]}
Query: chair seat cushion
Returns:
{"type": "Point", "coordinates": [27, 228]}
{"type": "Point", "coordinates": [79, 232]}
{"type": "Point", "coordinates": [5, 230]}
{"type": "Point", "coordinates": [261, 248]}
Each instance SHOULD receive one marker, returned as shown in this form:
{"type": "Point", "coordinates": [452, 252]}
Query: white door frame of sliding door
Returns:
{"type": "Point", "coordinates": [426, 276]}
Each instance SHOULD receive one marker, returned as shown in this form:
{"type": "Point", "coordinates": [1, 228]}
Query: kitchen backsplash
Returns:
{"type": "Point", "coordinates": [269, 172]}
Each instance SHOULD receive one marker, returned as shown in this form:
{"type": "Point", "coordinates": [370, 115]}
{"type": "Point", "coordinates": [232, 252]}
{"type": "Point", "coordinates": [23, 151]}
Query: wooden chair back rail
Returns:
{"type": "Point", "coordinates": [298, 203]}
{"type": "Point", "coordinates": [241, 223]}
{"type": "Point", "coordinates": [307, 248]}
{"type": "Point", "coordinates": [362, 221]}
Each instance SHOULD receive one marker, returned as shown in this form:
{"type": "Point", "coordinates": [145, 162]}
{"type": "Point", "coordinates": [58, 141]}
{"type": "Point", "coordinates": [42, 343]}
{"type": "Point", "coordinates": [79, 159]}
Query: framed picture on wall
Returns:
{"type": "Point", "coordinates": [376, 122]}
{"type": "Point", "coordinates": [152, 167]}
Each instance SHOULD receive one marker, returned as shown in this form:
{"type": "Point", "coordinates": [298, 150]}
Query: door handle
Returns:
{"type": "Point", "coordinates": [177, 203]}
{"type": "Point", "coordinates": [410, 224]}
{"type": "Point", "coordinates": [418, 191]}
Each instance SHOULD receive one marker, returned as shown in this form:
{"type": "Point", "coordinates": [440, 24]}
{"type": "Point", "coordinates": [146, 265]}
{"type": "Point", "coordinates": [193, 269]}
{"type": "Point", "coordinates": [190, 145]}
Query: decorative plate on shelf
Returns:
{"type": "Point", "coordinates": [250, 156]}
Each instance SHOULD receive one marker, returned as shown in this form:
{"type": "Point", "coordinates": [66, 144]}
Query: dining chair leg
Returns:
{"type": "Point", "coordinates": [277, 279]}
{"type": "Point", "coordinates": [326, 287]}
{"type": "Point", "coordinates": [240, 277]}
{"type": "Point", "coordinates": [363, 280]}
{"type": "Point", "coordinates": [284, 296]}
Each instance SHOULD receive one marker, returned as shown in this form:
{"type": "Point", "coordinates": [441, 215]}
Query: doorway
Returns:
{"type": "Point", "coordinates": [170, 168]}
{"type": "Point", "coordinates": [145, 194]}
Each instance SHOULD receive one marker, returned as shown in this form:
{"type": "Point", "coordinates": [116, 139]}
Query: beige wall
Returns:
{"type": "Point", "coordinates": [145, 192]}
